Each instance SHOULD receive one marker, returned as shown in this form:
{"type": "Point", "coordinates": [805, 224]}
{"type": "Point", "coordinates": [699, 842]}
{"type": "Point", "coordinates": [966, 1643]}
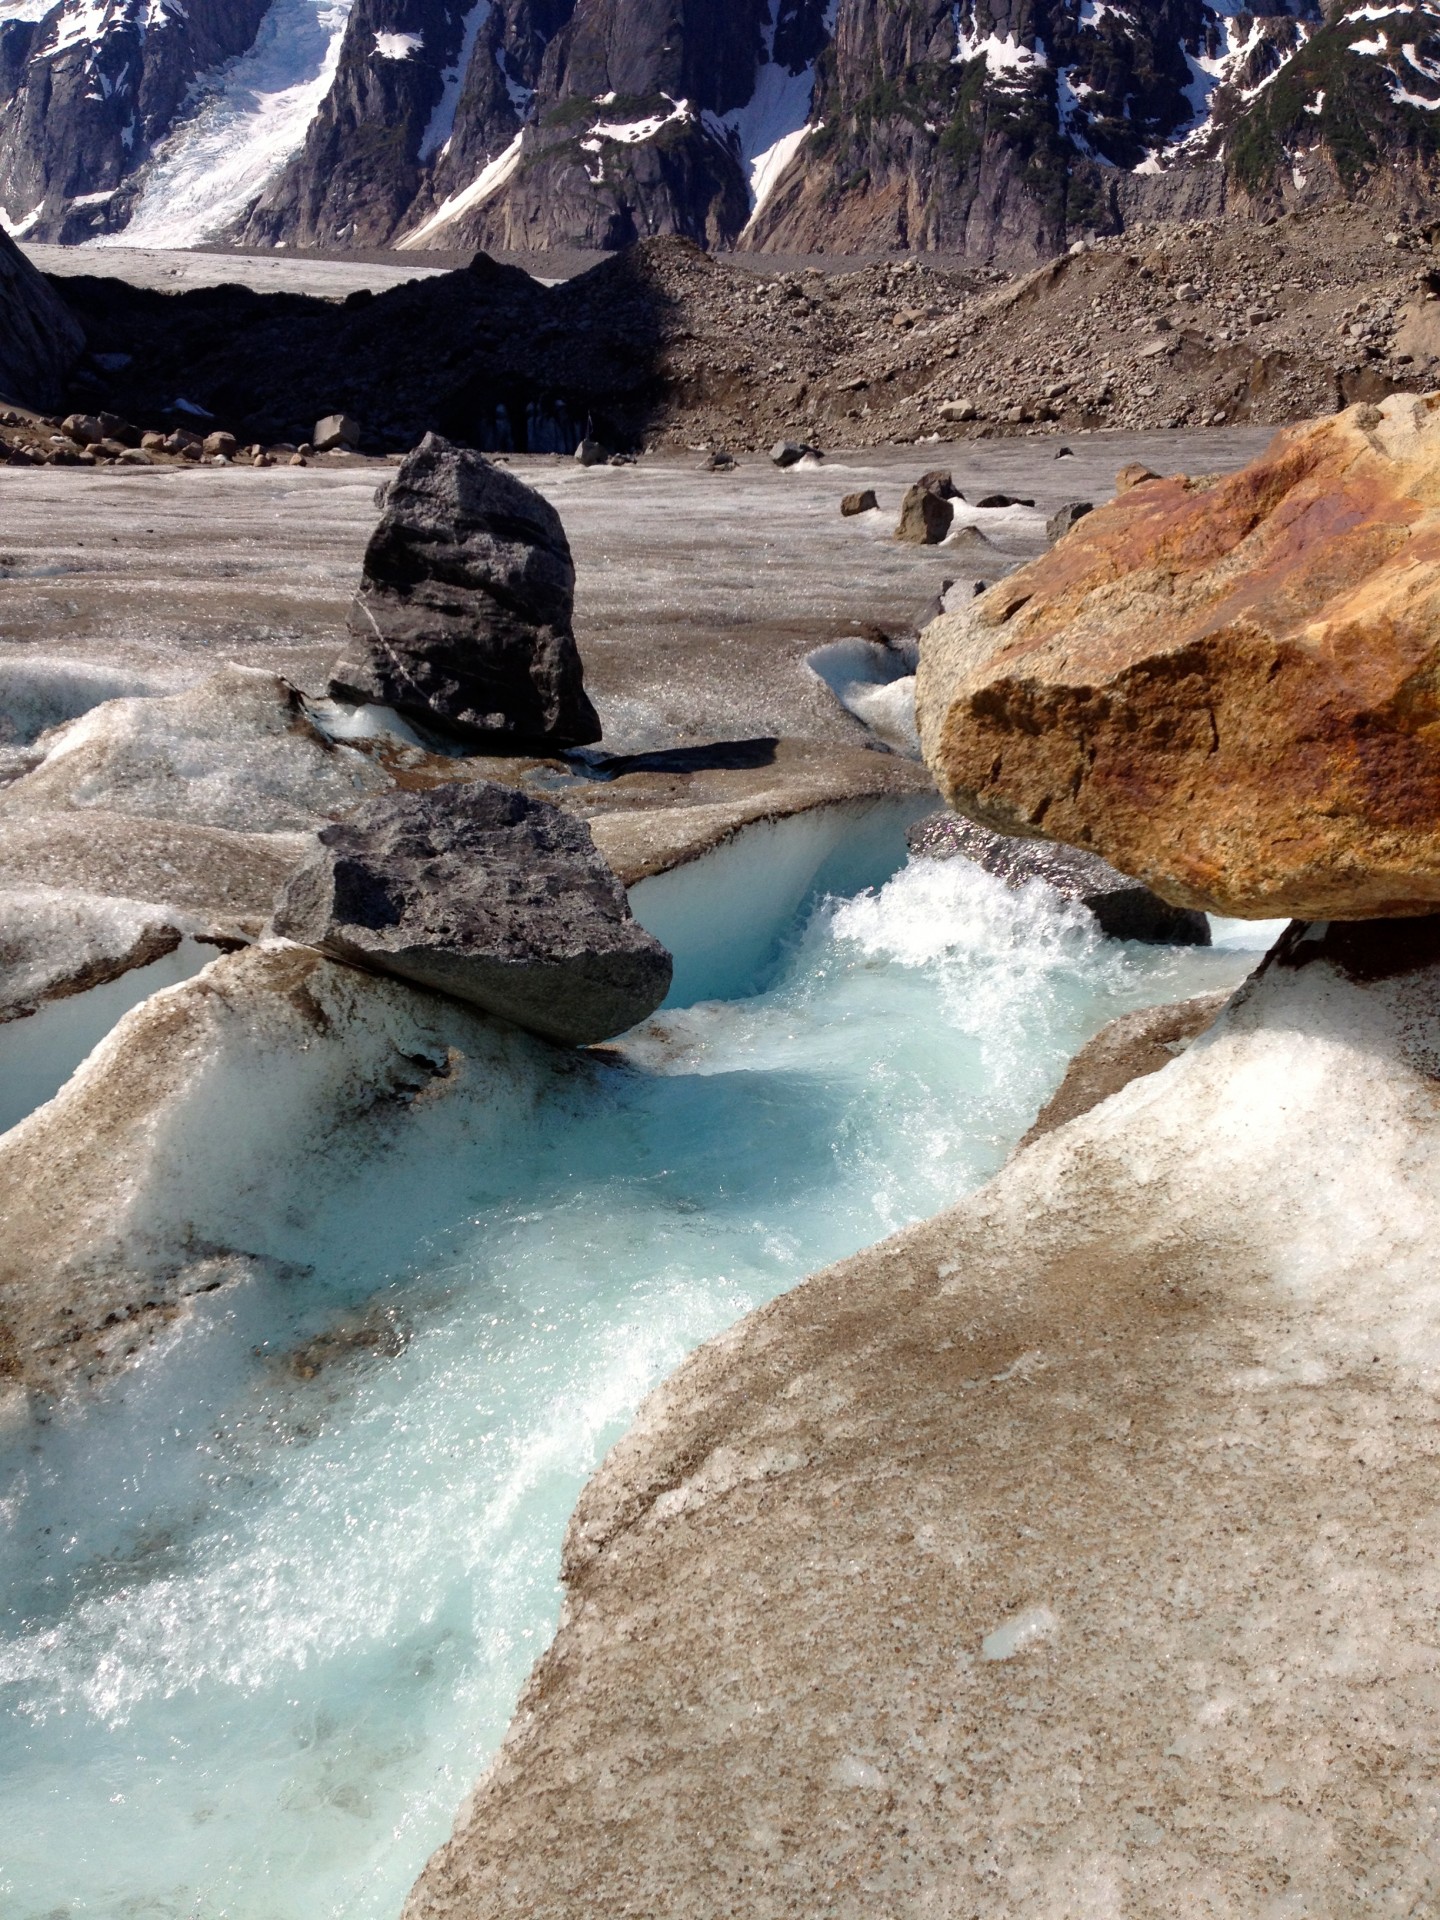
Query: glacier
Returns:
{"type": "Point", "coordinates": [275, 1590]}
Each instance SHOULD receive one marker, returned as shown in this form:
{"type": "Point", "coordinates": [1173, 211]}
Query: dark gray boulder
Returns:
{"type": "Point", "coordinates": [1066, 517]}
{"type": "Point", "coordinates": [489, 896]}
{"type": "Point", "coordinates": [463, 615]}
{"type": "Point", "coordinates": [1125, 909]}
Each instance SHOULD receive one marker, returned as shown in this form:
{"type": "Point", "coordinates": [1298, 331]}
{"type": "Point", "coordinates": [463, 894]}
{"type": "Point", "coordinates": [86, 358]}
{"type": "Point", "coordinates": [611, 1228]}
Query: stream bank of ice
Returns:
{"type": "Point", "coordinates": [270, 1598]}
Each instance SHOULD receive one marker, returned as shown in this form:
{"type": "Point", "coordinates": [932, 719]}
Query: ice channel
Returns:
{"type": "Point", "coordinates": [269, 1604]}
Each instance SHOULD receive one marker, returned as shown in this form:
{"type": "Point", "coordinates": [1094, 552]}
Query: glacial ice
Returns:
{"type": "Point", "coordinates": [249, 117]}
{"type": "Point", "coordinates": [39, 1053]}
{"type": "Point", "coordinates": [875, 683]}
{"type": "Point", "coordinates": [236, 751]}
{"type": "Point", "coordinates": [275, 1592]}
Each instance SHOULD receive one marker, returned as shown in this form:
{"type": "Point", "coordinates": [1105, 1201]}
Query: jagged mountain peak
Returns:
{"type": "Point", "coordinates": [996, 128]}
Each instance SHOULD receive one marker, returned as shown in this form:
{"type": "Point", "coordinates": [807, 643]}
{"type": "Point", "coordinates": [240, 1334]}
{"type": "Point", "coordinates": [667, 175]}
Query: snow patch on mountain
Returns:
{"type": "Point", "coordinates": [766, 132]}
{"type": "Point", "coordinates": [489, 181]}
{"type": "Point", "coordinates": [398, 46]}
{"type": "Point", "coordinates": [441, 124]}
{"type": "Point", "coordinates": [245, 121]}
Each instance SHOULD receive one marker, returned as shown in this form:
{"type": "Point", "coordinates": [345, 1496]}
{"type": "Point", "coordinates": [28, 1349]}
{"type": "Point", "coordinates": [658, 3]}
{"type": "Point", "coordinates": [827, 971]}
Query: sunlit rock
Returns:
{"type": "Point", "coordinates": [1069, 1553]}
{"type": "Point", "coordinates": [1226, 689]}
{"type": "Point", "coordinates": [463, 615]}
{"type": "Point", "coordinates": [483, 893]}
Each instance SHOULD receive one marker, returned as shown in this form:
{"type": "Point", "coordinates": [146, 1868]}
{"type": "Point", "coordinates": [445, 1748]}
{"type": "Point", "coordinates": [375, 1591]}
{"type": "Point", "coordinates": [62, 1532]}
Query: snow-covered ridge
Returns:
{"type": "Point", "coordinates": [489, 181]}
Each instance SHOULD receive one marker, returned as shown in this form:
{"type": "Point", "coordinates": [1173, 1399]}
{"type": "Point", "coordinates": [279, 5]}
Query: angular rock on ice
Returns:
{"type": "Point", "coordinates": [463, 615]}
{"type": "Point", "coordinates": [486, 895]}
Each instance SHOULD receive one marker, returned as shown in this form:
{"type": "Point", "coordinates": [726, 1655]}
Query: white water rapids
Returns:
{"type": "Point", "coordinates": [266, 1619]}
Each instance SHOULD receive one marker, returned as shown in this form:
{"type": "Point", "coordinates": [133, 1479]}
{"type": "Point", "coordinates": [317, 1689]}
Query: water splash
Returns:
{"type": "Point", "coordinates": [269, 1610]}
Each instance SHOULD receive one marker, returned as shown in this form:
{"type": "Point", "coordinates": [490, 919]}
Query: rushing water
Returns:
{"type": "Point", "coordinates": [269, 1605]}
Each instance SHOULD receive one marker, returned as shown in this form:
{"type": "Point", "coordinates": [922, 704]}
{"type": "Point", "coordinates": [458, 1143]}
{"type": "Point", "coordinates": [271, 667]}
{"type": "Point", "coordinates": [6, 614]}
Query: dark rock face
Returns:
{"type": "Point", "coordinates": [86, 93]}
{"type": "Point", "coordinates": [1124, 909]}
{"type": "Point", "coordinates": [463, 615]}
{"type": "Point", "coordinates": [39, 337]}
{"type": "Point", "coordinates": [361, 167]}
{"type": "Point", "coordinates": [993, 128]}
{"type": "Point", "coordinates": [485, 895]}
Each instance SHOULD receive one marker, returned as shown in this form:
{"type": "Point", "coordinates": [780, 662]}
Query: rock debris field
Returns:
{"type": "Point", "coordinates": [1176, 325]}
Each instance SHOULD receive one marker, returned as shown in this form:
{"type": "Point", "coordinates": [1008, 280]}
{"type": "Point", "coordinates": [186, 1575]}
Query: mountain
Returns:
{"type": "Point", "coordinates": [992, 128]}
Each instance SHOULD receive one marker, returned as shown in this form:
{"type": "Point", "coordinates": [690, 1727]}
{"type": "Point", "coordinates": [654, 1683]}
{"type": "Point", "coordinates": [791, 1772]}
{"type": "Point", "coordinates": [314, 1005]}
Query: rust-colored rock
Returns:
{"type": "Point", "coordinates": [1134, 475]}
{"type": "Point", "coordinates": [1231, 690]}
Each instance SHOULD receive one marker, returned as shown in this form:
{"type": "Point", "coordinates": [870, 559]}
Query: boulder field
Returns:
{"type": "Point", "coordinates": [1226, 689]}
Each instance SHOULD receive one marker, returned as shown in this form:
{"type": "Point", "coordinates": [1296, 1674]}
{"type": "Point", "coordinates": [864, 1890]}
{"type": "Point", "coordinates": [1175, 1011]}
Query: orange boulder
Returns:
{"type": "Point", "coordinates": [1230, 689]}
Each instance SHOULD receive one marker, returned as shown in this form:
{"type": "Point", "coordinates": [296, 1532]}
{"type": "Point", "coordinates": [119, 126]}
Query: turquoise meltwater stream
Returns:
{"type": "Point", "coordinates": [268, 1603]}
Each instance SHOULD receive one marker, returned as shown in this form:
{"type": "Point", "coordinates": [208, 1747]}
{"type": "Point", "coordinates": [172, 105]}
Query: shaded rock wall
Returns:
{"type": "Point", "coordinates": [85, 95]}
{"type": "Point", "coordinates": [39, 337]}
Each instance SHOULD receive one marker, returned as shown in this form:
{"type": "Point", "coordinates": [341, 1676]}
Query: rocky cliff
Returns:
{"type": "Point", "coordinates": [87, 91]}
{"type": "Point", "coordinates": [39, 337]}
{"type": "Point", "coordinates": [995, 128]}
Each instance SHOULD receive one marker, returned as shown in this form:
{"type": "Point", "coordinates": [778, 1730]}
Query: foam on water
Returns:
{"type": "Point", "coordinates": [269, 1604]}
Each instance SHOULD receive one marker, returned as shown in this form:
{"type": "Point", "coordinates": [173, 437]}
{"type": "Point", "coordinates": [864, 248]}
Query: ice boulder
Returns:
{"type": "Point", "coordinates": [463, 615]}
{"type": "Point", "coordinates": [486, 895]}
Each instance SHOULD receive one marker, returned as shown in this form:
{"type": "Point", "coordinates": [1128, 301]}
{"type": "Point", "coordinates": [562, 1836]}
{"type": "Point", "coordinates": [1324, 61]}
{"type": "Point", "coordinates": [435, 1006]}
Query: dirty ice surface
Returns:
{"type": "Point", "coordinates": [269, 1604]}
{"type": "Point", "coordinates": [698, 595]}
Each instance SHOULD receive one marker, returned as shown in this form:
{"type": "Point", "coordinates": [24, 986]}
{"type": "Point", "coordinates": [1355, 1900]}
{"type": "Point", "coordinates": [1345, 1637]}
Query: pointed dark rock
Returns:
{"type": "Point", "coordinates": [463, 615]}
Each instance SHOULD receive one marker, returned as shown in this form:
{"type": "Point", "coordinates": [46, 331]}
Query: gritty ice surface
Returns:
{"type": "Point", "coordinates": [698, 595]}
{"type": "Point", "coordinates": [1022, 1630]}
{"type": "Point", "coordinates": [271, 1608]}
{"type": "Point", "coordinates": [39, 1053]}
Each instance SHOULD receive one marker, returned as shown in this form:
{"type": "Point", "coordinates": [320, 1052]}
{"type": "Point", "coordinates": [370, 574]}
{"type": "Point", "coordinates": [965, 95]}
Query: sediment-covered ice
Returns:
{"type": "Point", "coordinates": [875, 683]}
{"type": "Point", "coordinates": [277, 1588]}
{"type": "Point", "coordinates": [238, 752]}
{"type": "Point", "coordinates": [1093, 1520]}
